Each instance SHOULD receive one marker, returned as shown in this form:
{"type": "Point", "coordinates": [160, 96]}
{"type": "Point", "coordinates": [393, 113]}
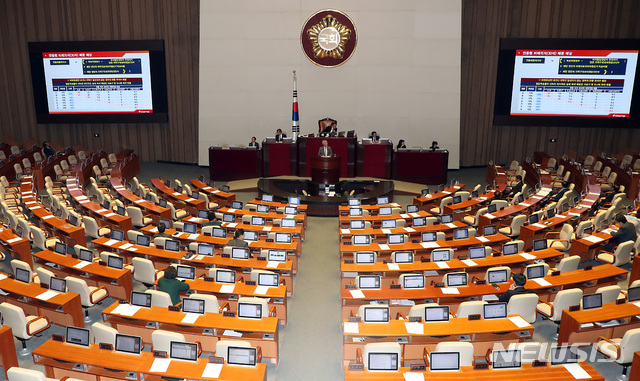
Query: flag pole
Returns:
{"type": "Point", "coordinates": [295, 128]}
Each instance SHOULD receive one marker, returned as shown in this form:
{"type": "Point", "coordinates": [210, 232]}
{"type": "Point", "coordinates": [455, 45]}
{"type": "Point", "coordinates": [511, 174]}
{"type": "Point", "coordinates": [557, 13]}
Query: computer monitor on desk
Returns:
{"type": "Point", "coordinates": [389, 223]}
{"type": "Point", "coordinates": [495, 310]}
{"type": "Point", "coordinates": [419, 221]}
{"type": "Point", "coordinates": [58, 284]}
{"type": "Point", "coordinates": [440, 255]}
{"type": "Point", "coordinates": [258, 221]}
{"type": "Point", "coordinates": [22, 275]}
{"type": "Point", "coordinates": [492, 208]}
{"type": "Point", "coordinates": [288, 223]}
{"type": "Point", "coordinates": [497, 276]}
{"type": "Point", "coordinates": [444, 361]}
{"type": "Point", "coordinates": [277, 255]}
{"type": "Point", "coordinates": [510, 248]}
{"type": "Point", "coordinates": [461, 234]}
{"type": "Point", "coordinates": [228, 217]}
{"type": "Point", "coordinates": [219, 232]}
{"type": "Point", "coordinates": [183, 351]}
{"type": "Point", "coordinates": [370, 282]}
{"type": "Point", "coordinates": [365, 257]}
{"type": "Point", "coordinates": [477, 252]}
{"type": "Point", "coordinates": [385, 210]}
{"type": "Point", "coordinates": [249, 310]}
{"type": "Point", "coordinates": [283, 237]}
{"type": "Point", "coordinates": [115, 262]}
{"type": "Point", "coordinates": [172, 245]}
{"type": "Point", "coordinates": [140, 299]}
{"type": "Point", "coordinates": [190, 228]}
{"type": "Point", "coordinates": [457, 279]}
{"type": "Point", "coordinates": [268, 279]}
{"type": "Point", "coordinates": [384, 200]}
{"type": "Point", "coordinates": [355, 212]}
{"type": "Point", "coordinates": [429, 236]}
{"type": "Point", "coordinates": [539, 244]}
{"type": "Point", "coordinates": [489, 230]}
{"type": "Point", "coordinates": [85, 255]}
{"type": "Point", "coordinates": [162, 203]}
{"type": "Point", "coordinates": [294, 200]}
{"type": "Point", "coordinates": [203, 213]}
{"type": "Point", "coordinates": [128, 344]}
{"type": "Point", "coordinates": [356, 224]}
{"type": "Point", "coordinates": [457, 199]}
{"type": "Point", "coordinates": [413, 208]}
{"type": "Point", "coordinates": [376, 314]}
{"type": "Point", "coordinates": [536, 271]}
{"type": "Point", "coordinates": [262, 208]}
{"type": "Point", "coordinates": [562, 355]}
{"type": "Point", "coordinates": [167, 222]}
{"type": "Point", "coordinates": [395, 239]}
{"type": "Point", "coordinates": [143, 240]}
{"type": "Point", "coordinates": [237, 204]}
{"type": "Point", "coordinates": [506, 359]}
{"type": "Point", "coordinates": [241, 356]}
{"type": "Point", "coordinates": [403, 257]}
{"type": "Point", "coordinates": [250, 235]}
{"type": "Point", "coordinates": [78, 336]}
{"type": "Point", "coordinates": [633, 294]}
{"type": "Point", "coordinates": [240, 253]}
{"type": "Point", "coordinates": [290, 210]}
{"type": "Point", "coordinates": [186, 272]}
{"type": "Point", "coordinates": [591, 301]}
{"type": "Point", "coordinates": [117, 235]}
{"type": "Point", "coordinates": [60, 248]}
{"type": "Point", "coordinates": [413, 281]}
{"type": "Point", "coordinates": [383, 362]}
{"type": "Point", "coordinates": [361, 239]}
{"type": "Point", "coordinates": [225, 276]}
{"type": "Point", "coordinates": [436, 313]}
{"type": "Point", "coordinates": [354, 202]}
{"type": "Point", "coordinates": [267, 197]}
{"type": "Point", "coordinates": [205, 249]}
{"type": "Point", "coordinates": [195, 306]}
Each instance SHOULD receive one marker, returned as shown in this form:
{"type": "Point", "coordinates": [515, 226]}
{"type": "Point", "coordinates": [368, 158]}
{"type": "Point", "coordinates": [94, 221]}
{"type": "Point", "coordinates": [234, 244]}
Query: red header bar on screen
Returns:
{"type": "Point", "coordinates": [90, 54]}
{"type": "Point", "coordinates": [569, 53]}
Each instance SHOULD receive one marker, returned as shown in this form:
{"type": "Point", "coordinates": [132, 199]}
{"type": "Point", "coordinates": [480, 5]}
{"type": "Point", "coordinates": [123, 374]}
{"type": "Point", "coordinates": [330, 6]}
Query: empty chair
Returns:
{"type": "Point", "coordinates": [145, 272]}
{"type": "Point", "coordinates": [26, 164]}
{"type": "Point", "coordinates": [19, 172]}
{"type": "Point", "coordinates": [222, 347]}
{"type": "Point", "coordinates": [72, 160]}
{"type": "Point", "coordinates": [588, 161]}
{"type": "Point", "coordinates": [209, 204]}
{"type": "Point", "coordinates": [583, 226]}
{"type": "Point", "coordinates": [43, 275]}
{"type": "Point", "coordinates": [137, 218]}
{"type": "Point", "coordinates": [465, 349]}
{"type": "Point", "coordinates": [176, 214]}
{"type": "Point", "coordinates": [64, 166]}
{"type": "Point", "coordinates": [621, 255]}
{"type": "Point", "coordinates": [18, 264]}
{"type": "Point", "coordinates": [568, 264]}
{"type": "Point", "coordinates": [113, 160]}
{"type": "Point", "coordinates": [82, 156]}
{"type": "Point", "coordinates": [39, 239]}
{"type": "Point", "coordinates": [513, 230]}
{"type": "Point", "coordinates": [560, 240]}
{"type": "Point", "coordinates": [609, 293]}
{"type": "Point", "coordinates": [92, 229]}
{"type": "Point", "coordinates": [23, 374]}
{"type": "Point", "coordinates": [23, 327]}
{"type": "Point", "coordinates": [159, 298]}
{"type": "Point", "coordinates": [473, 220]}
{"type": "Point", "coordinates": [530, 351]}
{"type": "Point", "coordinates": [89, 295]}
{"type": "Point", "coordinates": [551, 164]}
{"type": "Point", "coordinates": [444, 202]}
{"type": "Point", "coordinates": [60, 175]}
{"type": "Point", "coordinates": [132, 235]}
{"type": "Point", "coordinates": [103, 333]}
{"type": "Point", "coordinates": [598, 220]}
{"type": "Point", "coordinates": [523, 305]}
{"type": "Point", "coordinates": [98, 174]}
{"type": "Point", "coordinates": [381, 348]}
{"type": "Point", "coordinates": [621, 350]}
{"type": "Point", "coordinates": [472, 307]}
{"type": "Point", "coordinates": [106, 168]}
{"type": "Point", "coordinates": [563, 300]}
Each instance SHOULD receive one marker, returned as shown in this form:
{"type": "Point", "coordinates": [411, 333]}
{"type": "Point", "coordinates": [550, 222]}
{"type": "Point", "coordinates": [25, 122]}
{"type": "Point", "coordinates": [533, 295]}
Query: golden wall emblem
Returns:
{"type": "Point", "coordinates": [328, 38]}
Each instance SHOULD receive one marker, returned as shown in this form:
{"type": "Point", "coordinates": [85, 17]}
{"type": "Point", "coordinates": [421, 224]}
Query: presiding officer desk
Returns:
{"type": "Point", "coordinates": [414, 336]}
{"type": "Point", "coordinates": [98, 364]}
{"type": "Point", "coordinates": [207, 329]}
{"type": "Point", "coordinates": [585, 326]}
{"type": "Point", "coordinates": [62, 309]}
{"type": "Point", "coordinates": [118, 282]}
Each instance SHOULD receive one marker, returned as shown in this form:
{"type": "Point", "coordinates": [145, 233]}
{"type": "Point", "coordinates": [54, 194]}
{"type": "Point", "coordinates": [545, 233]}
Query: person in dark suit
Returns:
{"type": "Point", "coordinates": [280, 135]}
{"type": "Point", "coordinates": [238, 239]}
{"type": "Point", "coordinates": [47, 150]}
{"type": "Point", "coordinates": [517, 187]}
{"type": "Point", "coordinates": [254, 143]}
{"type": "Point", "coordinates": [401, 144]}
{"type": "Point", "coordinates": [213, 220]}
{"type": "Point", "coordinates": [605, 198]}
{"type": "Point", "coordinates": [555, 197]}
{"type": "Point", "coordinates": [331, 130]}
{"type": "Point", "coordinates": [161, 231]}
{"type": "Point", "coordinates": [374, 137]}
{"type": "Point", "coordinates": [434, 146]}
{"type": "Point", "coordinates": [325, 150]}
{"type": "Point", "coordinates": [626, 232]}
{"type": "Point", "coordinates": [516, 288]}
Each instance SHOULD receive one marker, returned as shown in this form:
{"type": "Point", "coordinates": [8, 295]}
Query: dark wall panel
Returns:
{"type": "Point", "coordinates": [174, 21]}
{"type": "Point", "coordinates": [483, 24]}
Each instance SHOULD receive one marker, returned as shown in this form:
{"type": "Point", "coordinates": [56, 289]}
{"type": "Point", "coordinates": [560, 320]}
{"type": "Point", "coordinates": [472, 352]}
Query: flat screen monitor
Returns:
{"type": "Point", "coordinates": [58, 284]}
{"type": "Point", "coordinates": [106, 204]}
{"type": "Point", "coordinates": [591, 301]}
{"type": "Point", "coordinates": [267, 197]}
{"type": "Point", "coordinates": [293, 200]}
{"type": "Point", "coordinates": [288, 223]}
{"type": "Point", "coordinates": [507, 359]}
{"type": "Point", "coordinates": [474, 194]}
{"type": "Point", "coordinates": [240, 253]}
{"type": "Point", "coordinates": [355, 212]}
{"type": "Point", "coordinates": [258, 221]}
{"type": "Point", "coordinates": [195, 306]}
{"type": "Point", "coordinates": [354, 202]}
{"type": "Point", "coordinates": [121, 211]}
{"type": "Point", "coordinates": [396, 239]}
{"type": "Point", "coordinates": [225, 188]}
{"type": "Point", "coordinates": [179, 189]}
{"type": "Point", "coordinates": [456, 279]}
{"type": "Point", "coordinates": [551, 213]}
{"type": "Point", "coordinates": [277, 255]}
{"type": "Point", "coordinates": [436, 313]}
{"type": "Point", "coordinates": [461, 234]}
{"type": "Point", "coordinates": [167, 183]}
{"type": "Point", "coordinates": [118, 235]}
{"type": "Point", "coordinates": [250, 235]}
{"type": "Point", "coordinates": [369, 281]}
{"type": "Point", "coordinates": [85, 255]}
{"type": "Point", "coordinates": [204, 249]}
{"type": "Point", "coordinates": [534, 218]}
{"type": "Point", "coordinates": [190, 228]}
{"type": "Point", "coordinates": [78, 336]}
{"type": "Point", "coordinates": [60, 248]}
{"type": "Point", "coordinates": [429, 236]}
{"type": "Point", "coordinates": [143, 240]}
{"type": "Point", "coordinates": [228, 217]}
{"type": "Point", "coordinates": [290, 210]}
{"type": "Point", "coordinates": [413, 281]}
{"type": "Point", "coordinates": [283, 237]}
{"type": "Point", "coordinates": [419, 221]}
{"type": "Point", "coordinates": [446, 218]}
{"type": "Point", "coordinates": [441, 188]}
{"type": "Point", "coordinates": [424, 192]}
{"type": "Point", "coordinates": [172, 245]}
{"type": "Point", "coordinates": [403, 257]}
{"type": "Point", "coordinates": [443, 361]}
{"type": "Point", "coordinates": [383, 362]}
{"type": "Point", "coordinates": [562, 355]}
{"type": "Point", "coordinates": [73, 219]}
{"type": "Point", "coordinates": [115, 262]}
{"type": "Point", "coordinates": [389, 223]}
{"type": "Point", "coordinates": [382, 200]}
{"type": "Point", "coordinates": [356, 224]}
{"type": "Point", "coordinates": [225, 276]}
{"type": "Point", "coordinates": [497, 276]}
{"type": "Point", "coordinates": [539, 244]}
{"type": "Point", "coordinates": [148, 197]}
{"type": "Point", "coordinates": [201, 178]}
{"type": "Point", "coordinates": [249, 310]}
{"type": "Point", "coordinates": [128, 344]}
{"type": "Point", "coordinates": [162, 203]}
{"type": "Point", "coordinates": [365, 257]}
{"type": "Point", "coordinates": [268, 279]}
{"type": "Point", "coordinates": [385, 210]}
{"type": "Point", "coordinates": [361, 239]}
{"type": "Point", "coordinates": [440, 255]}
{"type": "Point", "coordinates": [262, 208]}
{"type": "Point", "coordinates": [237, 204]}
{"type": "Point", "coordinates": [186, 272]}
{"type": "Point", "coordinates": [141, 299]}
{"type": "Point", "coordinates": [19, 231]}
{"type": "Point", "coordinates": [536, 271]}
{"type": "Point", "coordinates": [195, 195]}
{"type": "Point", "coordinates": [457, 199]}
{"type": "Point", "coordinates": [219, 232]}
{"type": "Point", "coordinates": [492, 208]}
{"type": "Point", "coordinates": [477, 252]}
{"type": "Point", "coordinates": [166, 222]}
{"type": "Point", "coordinates": [633, 294]}
{"type": "Point", "coordinates": [494, 310]}
{"type": "Point", "coordinates": [489, 230]}
{"type": "Point", "coordinates": [58, 213]}
{"type": "Point", "coordinates": [242, 356]}
{"type": "Point", "coordinates": [413, 208]}
{"type": "Point", "coordinates": [376, 314]}
{"type": "Point", "coordinates": [203, 213]}
{"type": "Point", "coordinates": [510, 248]}
{"type": "Point", "coordinates": [183, 351]}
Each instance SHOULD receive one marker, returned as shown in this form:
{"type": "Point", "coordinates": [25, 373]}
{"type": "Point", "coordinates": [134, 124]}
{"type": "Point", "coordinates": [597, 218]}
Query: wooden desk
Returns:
{"type": "Point", "coordinates": [59, 359]}
{"type": "Point", "coordinates": [496, 175]}
{"type": "Point", "coordinates": [482, 333]}
{"type": "Point", "coordinates": [68, 233]}
{"type": "Point", "coordinates": [433, 199]}
{"type": "Point", "coordinates": [344, 209]}
{"type": "Point", "coordinates": [214, 194]}
{"type": "Point", "coordinates": [523, 207]}
{"type": "Point", "coordinates": [118, 282]}
{"type": "Point", "coordinates": [587, 247]}
{"type": "Point", "coordinates": [279, 158]}
{"type": "Point", "coordinates": [467, 373]}
{"type": "Point", "coordinates": [62, 309]}
{"type": "Point", "coordinates": [190, 204]}
{"type": "Point", "coordinates": [129, 198]}
{"type": "Point", "coordinates": [344, 221]}
{"type": "Point", "coordinates": [408, 165]}
{"type": "Point", "coordinates": [8, 356]}
{"type": "Point", "coordinates": [374, 159]}
{"type": "Point", "coordinates": [253, 330]}
{"type": "Point", "coordinates": [102, 216]}
{"type": "Point", "coordinates": [273, 206]}
{"type": "Point", "coordinates": [19, 247]}
{"type": "Point", "coordinates": [412, 232]}
{"type": "Point", "coordinates": [473, 203]}
{"type": "Point", "coordinates": [579, 327]}
{"type": "Point", "coordinates": [531, 232]}
{"type": "Point", "coordinates": [300, 218]}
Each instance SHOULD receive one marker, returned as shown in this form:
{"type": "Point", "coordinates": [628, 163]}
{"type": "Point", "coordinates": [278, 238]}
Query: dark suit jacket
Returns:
{"type": "Point", "coordinates": [559, 194]}
{"type": "Point", "coordinates": [377, 138]}
{"type": "Point", "coordinates": [280, 137]}
{"type": "Point", "coordinates": [254, 144]}
{"type": "Point", "coordinates": [517, 291]}
{"type": "Point", "coordinates": [211, 223]}
{"type": "Point", "coordinates": [517, 188]}
{"type": "Point", "coordinates": [238, 243]}
{"type": "Point", "coordinates": [627, 232]}
{"type": "Point", "coordinates": [321, 152]}
{"type": "Point", "coordinates": [160, 235]}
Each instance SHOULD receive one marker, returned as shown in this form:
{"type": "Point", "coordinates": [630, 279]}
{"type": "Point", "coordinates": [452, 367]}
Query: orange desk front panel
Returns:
{"type": "Point", "coordinates": [8, 356]}
{"type": "Point", "coordinates": [214, 194]}
{"type": "Point", "coordinates": [433, 199]}
{"type": "Point", "coordinates": [585, 326]}
{"type": "Point", "coordinates": [19, 247]}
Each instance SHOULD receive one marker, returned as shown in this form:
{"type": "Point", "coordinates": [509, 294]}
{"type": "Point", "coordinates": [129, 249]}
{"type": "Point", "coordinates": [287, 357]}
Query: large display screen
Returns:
{"type": "Point", "coordinates": [99, 81]}
{"type": "Point", "coordinates": [567, 82]}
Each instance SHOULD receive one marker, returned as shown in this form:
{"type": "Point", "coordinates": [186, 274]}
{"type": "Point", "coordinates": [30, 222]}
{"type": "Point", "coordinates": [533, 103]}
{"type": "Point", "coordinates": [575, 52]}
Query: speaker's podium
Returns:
{"type": "Point", "coordinates": [325, 170]}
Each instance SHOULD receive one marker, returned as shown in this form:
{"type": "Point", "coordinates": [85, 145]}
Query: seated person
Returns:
{"type": "Point", "coordinates": [331, 130]}
{"type": "Point", "coordinates": [325, 150]}
{"type": "Point", "coordinates": [213, 220]}
{"type": "Point", "coordinates": [517, 187]}
{"type": "Point", "coordinates": [626, 232]}
{"type": "Point", "coordinates": [161, 231]}
{"type": "Point", "coordinates": [516, 288]}
{"type": "Point", "coordinates": [434, 146]}
{"type": "Point", "coordinates": [498, 195]}
{"type": "Point", "coordinates": [254, 143]}
{"type": "Point", "coordinates": [238, 239]}
{"type": "Point", "coordinates": [555, 197]}
{"type": "Point", "coordinates": [279, 135]}
{"type": "Point", "coordinates": [401, 144]}
{"type": "Point", "coordinates": [605, 198]}
{"type": "Point", "coordinates": [47, 150]}
{"type": "Point", "coordinates": [169, 284]}
{"type": "Point", "coordinates": [374, 137]}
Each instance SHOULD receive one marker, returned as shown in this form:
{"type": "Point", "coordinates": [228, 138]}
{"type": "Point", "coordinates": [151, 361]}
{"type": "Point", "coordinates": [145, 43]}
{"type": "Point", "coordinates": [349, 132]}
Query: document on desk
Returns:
{"type": "Point", "coordinates": [345, 231]}
{"type": "Point", "coordinates": [489, 215]}
{"type": "Point", "coordinates": [45, 217]}
{"type": "Point", "coordinates": [176, 194]}
{"type": "Point", "coordinates": [541, 226]}
{"type": "Point", "coordinates": [190, 199]}
{"type": "Point", "coordinates": [232, 333]}
{"type": "Point", "coordinates": [350, 327]}
{"type": "Point", "coordinates": [528, 256]}
{"type": "Point", "coordinates": [409, 230]}
{"type": "Point", "coordinates": [272, 264]}
{"type": "Point", "coordinates": [393, 266]}
{"type": "Point", "coordinates": [469, 262]}
{"type": "Point", "coordinates": [542, 282]}
{"type": "Point", "coordinates": [232, 225]}
{"type": "Point", "coordinates": [404, 215]}
{"type": "Point", "coordinates": [212, 370]}
{"type": "Point", "coordinates": [154, 230]}
{"type": "Point", "coordinates": [524, 204]}
{"type": "Point", "coordinates": [266, 228]}
{"type": "Point", "coordinates": [482, 238]}
{"type": "Point", "coordinates": [2, 276]}
{"type": "Point", "coordinates": [190, 318]}
{"type": "Point", "coordinates": [386, 231]}
{"type": "Point", "coordinates": [450, 291]}
{"type": "Point", "coordinates": [413, 376]}
{"type": "Point", "coordinates": [261, 290]}
{"type": "Point", "coordinates": [140, 201]}
{"type": "Point", "coordinates": [442, 264]}
{"type": "Point", "coordinates": [357, 294]}
{"type": "Point", "coordinates": [215, 191]}
{"type": "Point", "coordinates": [577, 371]}
{"type": "Point", "coordinates": [451, 225]}
{"type": "Point", "coordinates": [193, 236]}
{"type": "Point", "coordinates": [125, 310]}
{"type": "Point", "coordinates": [109, 214]}
{"type": "Point", "coordinates": [47, 295]}
{"type": "Point", "coordinates": [231, 210]}
{"type": "Point", "coordinates": [414, 215]}
{"type": "Point", "coordinates": [81, 264]}
{"type": "Point", "coordinates": [111, 242]}
{"type": "Point", "coordinates": [637, 304]}
{"type": "Point", "coordinates": [12, 240]}
{"type": "Point", "coordinates": [519, 321]}
{"type": "Point", "coordinates": [101, 210]}
{"type": "Point", "coordinates": [429, 245]}
{"type": "Point", "coordinates": [125, 246]}
{"type": "Point", "coordinates": [383, 246]}
{"type": "Point", "coordinates": [159, 365]}
{"type": "Point", "coordinates": [593, 238]}
{"type": "Point", "coordinates": [414, 328]}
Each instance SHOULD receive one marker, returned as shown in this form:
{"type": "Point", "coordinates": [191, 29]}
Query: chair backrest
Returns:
{"type": "Point", "coordinates": [566, 232]}
{"type": "Point", "coordinates": [609, 293]}
{"type": "Point", "coordinates": [44, 275]}
{"type": "Point", "coordinates": [568, 264]}
{"type": "Point", "coordinates": [516, 224]}
{"type": "Point", "coordinates": [465, 349]}
{"type": "Point", "coordinates": [132, 235]}
{"type": "Point", "coordinates": [446, 201]}
{"type": "Point", "coordinates": [598, 220]}
{"type": "Point", "coordinates": [159, 298]}
{"type": "Point", "coordinates": [260, 301]}
{"type": "Point", "coordinates": [14, 317]}
{"type": "Point", "coordinates": [23, 374]}
{"type": "Point", "coordinates": [523, 305]}
{"type": "Point", "coordinates": [629, 344]}
{"type": "Point", "coordinates": [582, 226]}
{"type": "Point", "coordinates": [103, 333]}
{"type": "Point", "coordinates": [606, 172]}
{"type": "Point", "coordinates": [18, 264]}
{"type": "Point", "coordinates": [136, 215]}
{"type": "Point", "coordinates": [623, 253]}
{"type": "Point", "coordinates": [144, 270]}
{"type": "Point", "coordinates": [530, 351]}
{"type": "Point", "coordinates": [597, 166]}
{"type": "Point", "coordinates": [472, 307]}
{"type": "Point", "coordinates": [211, 304]}
{"type": "Point", "coordinates": [161, 339]}
{"type": "Point", "coordinates": [551, 163]}
{"type": "Point", "coordinates": [222, 347]}
{"type": "Point", "coordinates": [418, 310]}
{"type": "Point", "coordinates": [381, 348]}
{"type": "Point", "coordinates": [90, 226]}
{"type": "Point", "coordinates": [79, 286]}
{"type": "Point", "coordinates": [565, 299]}
{"type": "Point", "coordinates": [38, 238]}
{"type": "Point", "coordinates": [588, 160]}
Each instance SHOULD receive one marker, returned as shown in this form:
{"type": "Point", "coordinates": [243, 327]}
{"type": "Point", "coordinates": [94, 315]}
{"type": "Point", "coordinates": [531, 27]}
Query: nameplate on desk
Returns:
{"type": "Point", "coordinates": [574, 308]}
{"type": "Point", "coordinates": [59, 338]}
{"type": "Point", "coordinates": [262, 259]}
{"type": "Point", "coordinates": [354, 319]}
{"type": "Point", "coordinates": [160, 354]}
{"type": "Point", "coordinates": [174, 308]}
{"type": "Point", "coordinates": [415, 319]}
{"type": "Point", "coordinates": [481, 282]}
{"type": "Point", "coordinates": [106, 346]}
{"type": "Point", "coordinates": [350, 286]}
{"type": "Point", "coordinates": [395, 286]}
{"type": "Point", "coordinates": [347, 243]}
{"type": "Point", "coordinates": [348, 261]}
{"type": "Point", "coordinates": [480, 366]}
{"type": "Point", "coordinates": [225, 256]}
{"type": "Point", "coordinates": [418, 367]}
{"type": "Point", "coordinates": [425, 259]}
{"type": "Point", "coordinates": [537, 363]}
{"type": "Point", "coordinates": [474, 317]}
{"type": "Point", "coordinates": [229, 314]}
{"type": "Point", "coordinates": [250, 283]}
{"type": "Point", "coordinates": [208, 279]}
{"type": "Point", "coordinates": [555, 273]}
{"type": "Point", "coordinates": [216, 360]}
{"type": "Point", "coordinates": [621, 301]}
{"type": "Point", "coordinates": [356, 366]}
{"type": "Point", "coordinates": [587, 268]}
